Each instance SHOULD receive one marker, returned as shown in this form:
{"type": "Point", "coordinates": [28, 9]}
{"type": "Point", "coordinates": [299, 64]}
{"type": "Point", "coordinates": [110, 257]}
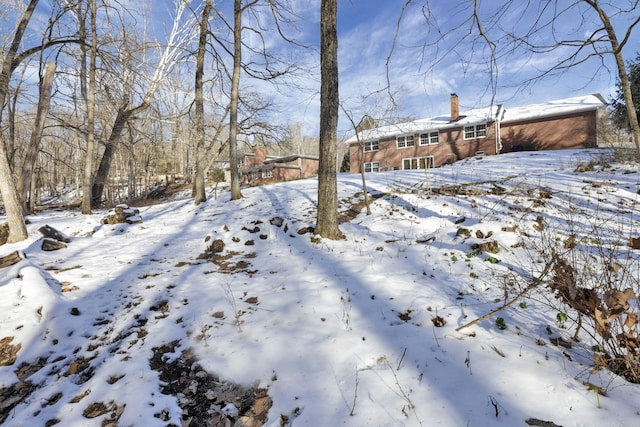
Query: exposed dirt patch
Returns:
{"type": "Point", "coordinates": [205, 399]}
{"type": "Point", "coordinates": [355, 208]}
{"type": "Point", "coordinates": [161, 194]}
{"type": "Point", "coordinates": [13, 395]}
{"type": "Point", "coordinates": [8, 351]}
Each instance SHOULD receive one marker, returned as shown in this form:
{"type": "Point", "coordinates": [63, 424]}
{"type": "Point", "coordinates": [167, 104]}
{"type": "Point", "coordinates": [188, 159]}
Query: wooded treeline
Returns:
{"type": "Point", "coordinates": [144, 120]}
{"type": "Point", "coordinates": [108, 96]}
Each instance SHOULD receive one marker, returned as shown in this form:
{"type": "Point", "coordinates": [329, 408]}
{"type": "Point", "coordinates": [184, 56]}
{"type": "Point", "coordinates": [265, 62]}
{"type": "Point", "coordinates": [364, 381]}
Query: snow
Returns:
{"type": "Point", "coordinates": [553, 108]}
{"type": "Point", "coordinates": [340, 332]}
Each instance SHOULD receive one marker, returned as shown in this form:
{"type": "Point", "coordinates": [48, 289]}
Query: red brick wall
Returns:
{"type": "Point", "coordinates": [570, 131]}
{"type": "Point", "coordinates": [451, 147]}
{"type": "Point", "coordinates": [302, 168]}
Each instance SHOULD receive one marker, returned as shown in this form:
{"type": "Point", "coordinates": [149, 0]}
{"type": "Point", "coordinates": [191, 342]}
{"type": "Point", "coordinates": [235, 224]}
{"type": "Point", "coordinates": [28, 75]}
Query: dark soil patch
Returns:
{"type": "Point", "coordinates": [355, 209]}
{"type": "Point", "coordinates": [203, 397]}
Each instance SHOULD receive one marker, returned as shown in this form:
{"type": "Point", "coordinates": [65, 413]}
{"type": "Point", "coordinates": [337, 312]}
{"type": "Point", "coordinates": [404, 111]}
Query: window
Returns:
{"type": "Point", "coordinates": [267, 173]}
{"type": "Point", "coordinates": [372, 167]}
{"type": "Point", "coordinates": [418, 163]}
{"type": "Point", "coordinates": [255, 175]}
{"type": "Point", "coordinates": [429, 138]}
{"type": "Point", "coordinates": [476, 131]}
{"type": "Point", "coordinates": [371, 146]}
{"type": "Point", "coordinates": [405, 141]}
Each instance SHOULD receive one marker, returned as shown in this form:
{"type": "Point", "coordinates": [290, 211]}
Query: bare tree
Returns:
{"type": "Point", "coordinates": [616, 50]}
{"type": "Point", "coordinates": [238, 9]}
{"type": "Point", "coordinates": [28, 174]}
{"type": "Point", "coordinates": [198, 184]}
{"type": "Point", "coordinates": [461, 35]}
{"type": "Point", "coordinates": [364, 124]}
{"type": "Point", "coordinates": [181, 33]}
{"type": "Point", "coordinates": [10, 198]}
{"type": "Point", "coordinates": [611, 134]}
{"type": "Point", "coordinates": [268, 16]}
{"type": "Point", "coordinates": [28, 162]}
{"type": "Point", "coordinates": [540, 35]}
{"type": "Point", "coordinates": [294, 141]}
{"type": "Point", "coordinates": [327, 216]}
{"type": "Point", "coordinates": [513, 30]}
{"type": "Point", "coordinates": [89, 96]}
{"type": "Point", "coordinates": [379, 108]}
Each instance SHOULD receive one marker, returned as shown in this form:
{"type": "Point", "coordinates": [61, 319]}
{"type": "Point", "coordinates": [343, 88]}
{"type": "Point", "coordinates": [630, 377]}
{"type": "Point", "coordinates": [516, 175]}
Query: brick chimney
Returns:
{"type": "Point", "coordinates": [259, 156]}
{"type": "Point", "coordinates": [455, 107]}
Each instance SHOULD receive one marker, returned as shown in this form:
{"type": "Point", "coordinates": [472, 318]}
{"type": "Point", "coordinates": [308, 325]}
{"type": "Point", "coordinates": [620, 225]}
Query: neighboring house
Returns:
{"type": "Point", "coordinates": [259, 168]}
{"type": "Point", "coordinates": [427, 143]}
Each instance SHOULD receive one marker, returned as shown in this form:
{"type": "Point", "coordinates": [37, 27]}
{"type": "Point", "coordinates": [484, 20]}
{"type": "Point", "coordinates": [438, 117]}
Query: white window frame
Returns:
{"type": "Point", "coordinates": [418, 163]}
{"type": "Point", "coordinates": [430, 138]}
{"type": "Point", "coordinates": [371, 146]}
{"type": "Point", "coordinates": [371, 167]}
{"type": "Point", "coordinates": [255, 175]}
{"type": "Point", "coordinates": [475, 131]}
{"type": "Point", "coordinates": [267, 173]}
{"type": "Point", "coordinates": [405, 141]}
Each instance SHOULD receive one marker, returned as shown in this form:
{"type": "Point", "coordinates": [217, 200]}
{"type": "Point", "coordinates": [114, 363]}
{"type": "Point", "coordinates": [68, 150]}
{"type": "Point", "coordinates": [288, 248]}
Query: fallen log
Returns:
{"type": "Point", "coordinates": [52, 245]}
{"type": "Point", "coordinates": [12, 258]}
{"type": "Point", "coordinates": [52, 233]}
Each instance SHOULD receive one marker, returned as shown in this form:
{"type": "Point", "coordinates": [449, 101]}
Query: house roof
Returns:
{"type": "Point", "coordinates": [274, 162]}
{"type": "Point", "coordinates": [487, 114]}
{"type": "Point", "coordinates": [553, 108]}
{"type": "Point", "coordinates": [290, 158]}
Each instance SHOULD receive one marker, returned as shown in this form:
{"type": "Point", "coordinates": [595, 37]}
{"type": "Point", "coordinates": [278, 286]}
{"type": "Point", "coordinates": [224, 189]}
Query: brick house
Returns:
{"type": "Point", "coordinates": [259, 168]}
{"type": "Point", "coordinates": [426, 143]}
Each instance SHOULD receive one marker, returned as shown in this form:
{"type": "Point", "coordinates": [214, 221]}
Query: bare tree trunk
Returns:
{"type": "Point", "coordinates": [367, 203]}
{"type": "Point", "coordinates": [12, 106]}
{"type": "Point", "coordinates": [131, 177]}
{"type": "Point", "coordinates": [625, 84]}
{"type": "Point", "coordinates": [90, 100]}
{"type": "Point", "coordinates": [102, 175]}
{"type": "Point", "coordinates": [327, 220]}
{"type": "Point", "coordinates": [166, 61]}
{"type": "Point", "coordinates": [13, 208]}
{"type": "Point", "coordinates": [34, 190]}
{"type": "Point", "coordinates": [357, 129]}
{"type": "Point", "coordinates": [199, 179]}
{"type": "Point", "coordinates": [31, 153]}
{"type": "Point", "coordinates": [233, 112]}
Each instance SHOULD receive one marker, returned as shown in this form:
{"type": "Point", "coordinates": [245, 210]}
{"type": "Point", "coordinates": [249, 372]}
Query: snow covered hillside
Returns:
{"type": "Point", "coordinates": [355, 332]}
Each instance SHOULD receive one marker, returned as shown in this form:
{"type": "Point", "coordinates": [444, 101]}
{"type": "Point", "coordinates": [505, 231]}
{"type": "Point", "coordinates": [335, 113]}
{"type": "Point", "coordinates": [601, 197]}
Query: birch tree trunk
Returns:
{"type": "Point", "coordinates": [327, 219]}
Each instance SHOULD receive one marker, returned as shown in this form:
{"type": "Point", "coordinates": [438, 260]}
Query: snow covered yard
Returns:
{"type": "Point", "coordinates": [355, 332]}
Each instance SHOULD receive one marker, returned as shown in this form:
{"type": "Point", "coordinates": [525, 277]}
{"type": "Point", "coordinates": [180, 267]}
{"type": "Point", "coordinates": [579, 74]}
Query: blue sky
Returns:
{"type": "Point", "coordinates": [424, 88]}
{"type": "Point", "coordinates": [423, 73]}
